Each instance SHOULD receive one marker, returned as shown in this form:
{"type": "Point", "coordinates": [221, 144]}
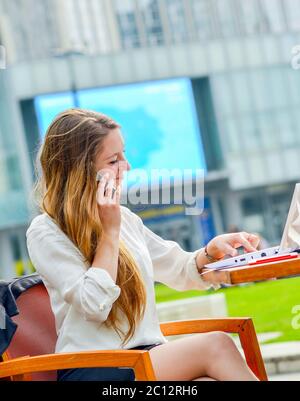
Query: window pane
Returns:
{"type": "Point", "coordinates": [284, 124]}
{"type": "Point", "coordinates": [293, 79]}
{"type": "Point", "coordinates": [266, 127]}
{"type": "Point", "coordinates": [260, 89]}
{"type": "Point", "coordinates": [203, 18]}
{"type": "Point", "coordinates": [250, 17]}
{"type": "Point", "coordinates": [222, 95]}
{"type": "Point", "coordinates": [226, 18]}
{"type": "Point", "coordinates": [14, 173]}
{"type": "Point", "coordinates": [99, 19]}
{"type": "Point", "coordinates": [232, 135]}
{"type": "Point", "coordinates": [176, 20]}
{"type": "Point", "coordinates": [4, 186]}
{"type": "Point", "coordinates": [272, 15]}
{"type": "Point", "coordinates": [249, 133]}
{"type": "Point", "coordinates": [292, 9]}
{"type": "Point", "coordinates": [242, 92]}
{"type": "Point", "coordinates": [296, 122]}
{"type": "Point", "coordinates": [126, 18]}
{"type": "Point", "coordinates": [278, 96]}
{"type": "Point", "coordinates": [152, 21]}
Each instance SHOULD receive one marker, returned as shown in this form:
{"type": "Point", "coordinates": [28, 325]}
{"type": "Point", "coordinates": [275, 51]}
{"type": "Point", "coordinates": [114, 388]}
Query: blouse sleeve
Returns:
{"type": "Point", "coordinates": [171, 264]}
{"type": "Point", "coordinates": [91, 290]}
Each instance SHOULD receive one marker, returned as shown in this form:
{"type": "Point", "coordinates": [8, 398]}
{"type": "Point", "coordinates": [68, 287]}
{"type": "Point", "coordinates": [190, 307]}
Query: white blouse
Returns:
{"type": "Point", "coordinates": [81, 296]}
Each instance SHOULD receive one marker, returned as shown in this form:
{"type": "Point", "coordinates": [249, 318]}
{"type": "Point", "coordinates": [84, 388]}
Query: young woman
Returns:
{"type": "Point", "coordinates": [99, 261]}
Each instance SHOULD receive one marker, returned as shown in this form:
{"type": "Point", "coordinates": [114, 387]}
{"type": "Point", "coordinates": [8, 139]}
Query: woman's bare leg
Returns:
{"type": "Point", "coordinates": [209, 355]}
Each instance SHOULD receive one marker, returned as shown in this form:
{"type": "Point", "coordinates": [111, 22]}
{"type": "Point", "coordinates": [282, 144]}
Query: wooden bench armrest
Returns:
{"type": "Point", "coordinates": [242, 326]}
{"type": "Point", "coordinates": [139, 360]}
{"type": "Point", "coordinates": [228, 325]}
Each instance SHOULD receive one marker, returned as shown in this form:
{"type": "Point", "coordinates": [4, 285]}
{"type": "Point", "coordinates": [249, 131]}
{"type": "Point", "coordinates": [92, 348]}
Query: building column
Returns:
{"type": "Point", "coordinates": [7, 269]}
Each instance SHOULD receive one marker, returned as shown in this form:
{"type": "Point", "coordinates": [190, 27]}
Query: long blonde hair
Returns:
{"type": "Point", "coordinates": [66, 190]}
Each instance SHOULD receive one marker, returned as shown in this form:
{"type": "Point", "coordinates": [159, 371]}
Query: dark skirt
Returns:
{"type": "Point", "coordinates": [100, 374]}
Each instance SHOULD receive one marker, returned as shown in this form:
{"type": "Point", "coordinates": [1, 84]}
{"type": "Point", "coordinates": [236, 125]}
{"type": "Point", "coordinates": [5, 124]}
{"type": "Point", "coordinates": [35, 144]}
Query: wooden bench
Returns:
{"type": "Point", "coordinates": [30, 355]}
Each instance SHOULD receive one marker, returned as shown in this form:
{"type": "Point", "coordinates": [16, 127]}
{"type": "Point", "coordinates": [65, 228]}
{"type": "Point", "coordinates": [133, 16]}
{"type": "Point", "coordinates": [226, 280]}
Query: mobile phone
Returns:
{"type": "Point", "coordinates": [99, 177]}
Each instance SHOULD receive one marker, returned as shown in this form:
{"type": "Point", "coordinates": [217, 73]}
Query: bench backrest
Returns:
{"type": "Point", "coordinates": [35, 334]}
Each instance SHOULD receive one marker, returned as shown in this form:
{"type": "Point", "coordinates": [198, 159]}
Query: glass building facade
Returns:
{"type": "Point", "coordinates": [237, 54]}
{"type": "Point", "coordinates": [137, 23]}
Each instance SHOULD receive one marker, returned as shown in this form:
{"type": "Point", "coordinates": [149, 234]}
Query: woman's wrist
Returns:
{"type": "Point", "coordinates": [109, 239]}
{"type": "Point", "coordinates": [209, 257]}
{"type": "Point", "coordinates": [213, 251]}
{"type": "Point", "coordinates": [225, 244]}
{"type": "Point", "coordinates": [201, 260]}
{"type": "Point", "coordinates": [107, 253]}
{"type": "Point", "coordinates": [111, 234]}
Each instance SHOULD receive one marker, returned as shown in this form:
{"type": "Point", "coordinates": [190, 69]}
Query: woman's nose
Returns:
{"type": "Point", "coordinates": [124, 165]}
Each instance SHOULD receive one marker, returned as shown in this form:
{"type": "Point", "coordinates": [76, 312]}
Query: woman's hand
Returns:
{"type": "Point", "coordinates": [108, 199]}
{"type": "Point", "coordinates": [226, 244]}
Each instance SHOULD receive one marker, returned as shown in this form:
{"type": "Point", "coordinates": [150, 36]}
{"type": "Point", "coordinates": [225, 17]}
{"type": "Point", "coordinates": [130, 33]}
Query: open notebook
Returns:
{"type": "Point", "coordinates": [290, 240]}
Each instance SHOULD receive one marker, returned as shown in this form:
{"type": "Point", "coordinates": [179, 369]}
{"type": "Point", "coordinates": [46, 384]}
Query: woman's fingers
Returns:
{"type": "Point", "coordinates": [254, 240]}
{"type": "Point", "coordinates": [107, 193]}
{"type": "Point", "coordinates": [229, 250]}
{"type": "Point", "coordinates": [116, 195]}
{"type": "Point", "coordinates": [109, 190]}
{"type": "Point", "coordinates": [101, 189]}
{"type": "Point", "coordinates": [105, 188]}
{"type": "Point", "coordinates": [226, 244]}
{"type": "Point", "coordinates": [246, 240]}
